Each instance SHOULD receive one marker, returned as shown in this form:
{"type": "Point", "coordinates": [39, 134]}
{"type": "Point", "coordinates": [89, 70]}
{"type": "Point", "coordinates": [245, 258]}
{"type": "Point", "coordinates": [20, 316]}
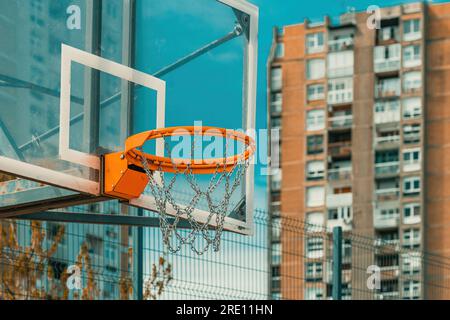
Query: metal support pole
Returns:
{"type": "Point", "coordinates": [140, 260]}
{"type": "Point", "coordinates": [237, 31]}
{"type": "Point", "coordinates": [337, 263]}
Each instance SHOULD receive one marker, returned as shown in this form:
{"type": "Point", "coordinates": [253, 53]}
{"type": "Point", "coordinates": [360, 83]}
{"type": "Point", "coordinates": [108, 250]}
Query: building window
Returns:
{"type": "Point", "coordinates": [314, 247]}
{"type": "Point", "coordinates": [340, 213]}
{"type": "Point", "coordinates": [411, 29]}
{"type": "Point", "coordinates": [315, 120]}
{"type": "Point", "coordinates": [315, 69]}
{"type": "Point", "coordinates": [315, 170]}
{"type": "Point", "coordinates": [411, 238]}
{"type": "Point", "coordinates": [411, 263]}
{"type": "Point", "coordinates": [340, 90]}
{"type": "Point", "coordinates": [387, 58]}
{"type": "Point", "coordinates": [411, 290]}
{"type": "Point", "coordinates": [276, 79]}
{"type": "Point", "coordinates": [387, 87]}
{"type": "Point", "coordinates": [411, 213]}
{"type": "Point", "coordinates": [389, 213]}
{"type": "Point", "coordinates": [315, 144]}
{"type": "Point", "coordinates": [314, 221]}
{"type": "Point", "coordinates": [315, 42]}
{"type": "Point", "coordinates": [276, 229]}
{"type": "Point", "coordinates": [316, 92]}
{"type": "Point", "coordinates": [315, 196]}
{"type": "Point", "coordinates": [411, 160]}
{"type": "Point", "coordinates": [95, 244]}
{"type": "Point", "coordinates": [275, 179]}
{"type": "Point", "coordinates": [313, 293]}
{"type": "Point", "coordinates": [276, 123]}
{"type": "Point", "coordinates": [411, 134]}
{"type": "Point", "coordinates": [279, 50]}
{"type": "Point", "coordinates": [314, 270]}
{"type": "Point", "coordinates": [276, 278]}
{"type": "Point", "coordinates": [412, 81]}
{"type": "Point", "coordinates": [412, 108]}
{"type": "Point", "coordinates": [276, 103]}
{"type": "Point", "coordinates": [411, 186]}
{"type": "Point", "coordinates": [411, 56]}
{"type": "Point", "coordinates": [387, 111]}
{"type": "Point", "coordinates": [52, 231]}
{"type": "Point", "coordinates": [276, 253]}
{"type": "Point", "coordinates": [340, 64]}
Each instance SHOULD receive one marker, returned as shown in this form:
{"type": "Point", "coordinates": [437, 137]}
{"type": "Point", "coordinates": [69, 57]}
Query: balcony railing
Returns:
{"type": "Point", "coordinates": [339, 200]}
{"type": "Point", "coordinates": [387, 245]}
{"type": "Point", "coordinates": [345, 121]}
{"type": "Point", "coordinates": [346, 225]}
{"type": "Point", "coordinates": [340, 96]}
{"type": "Point", "coordinates": [339, 149]}
{"type": "Point", "coordinates": [391, 295]}
{"type": "Point", "coordinates": [387, 168]}
{"type": "Point", "coordinates": [340, 44]}
{"type": "Point", "coordinates": [389, 272]}
{"type": "Point", "coordinates": [387, 65]}
{"type": "Point", "coordinates": [387, 117]}
{"type": "Point", "coordinates": [340, 174]}
{"type": "Point", "coordinates": [412, 137]}
{"type": "Point", "coordinates": [383, 221]}
{"type": "Point", "coordinates": [276, 107]}
{"type": "Point", "coordinates": [336, 72]}
{"type": "Point", "coordinates": [275, 185]}
{"type": "Point", "coordinates": [387, 90]}
{"type": "Point", "coordinates": [387, 193]}
{"type": "Point", "coordinates": [387, 140]}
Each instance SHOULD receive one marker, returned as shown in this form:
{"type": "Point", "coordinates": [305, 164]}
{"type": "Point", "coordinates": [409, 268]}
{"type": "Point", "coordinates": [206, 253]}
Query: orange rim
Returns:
{"type": "Point", "coordinates": [204, 166]}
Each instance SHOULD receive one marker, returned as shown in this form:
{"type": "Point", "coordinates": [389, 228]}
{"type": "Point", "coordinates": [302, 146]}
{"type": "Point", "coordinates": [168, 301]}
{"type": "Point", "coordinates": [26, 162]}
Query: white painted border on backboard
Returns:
{"type": "Point", "coordinates": [69, 55]}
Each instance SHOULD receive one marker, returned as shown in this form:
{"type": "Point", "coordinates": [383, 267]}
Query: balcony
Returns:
{"type": "Point", "coordinates": [340, 44]}
{"type": "Point", "coordinates": [275, 185]}
{"type": "Point", "coordinates": [340, 174]}
{"type": "Point", "coordinates": [387, 245]}
{"type": "Point", "coordinates": [411, 137]}
{"type": "Point", "coordinates": [341, 122]}
{"type": "Point", "coordinates": [390, 116]}
{"type": "Point", "coordinates": [276, 108]}
{"type": "Point", "coordinates": [388, 89]}
{"type": "Point", "coordinates": [339, 200]}
{"type": "Point", "coordinates": [387, 168]}
{"type": "Point", "coordinates": [346, 275]}
{"type": "Point", "coordinates": [411, 243]}
{"type": "Point", "coordinates": [390, 295]}
{"type": "Point", "coordinates": [387, 194]}
{"type": "Point", "coordinates": [345, 224]}
{"type": "Point", "coordinates": [385, 221]}
{"type": "Point", "coordinates": [340, 149]}
{"type": "Point", "coordinates": [338, 72]}
{"type": "Point", "coordinates": [389, 272]}
{"type": "Point", "coordinates": [340, 96]}
{"type": "Point", "coordinates": [387, 65]}
{"type": "Point", "coordinates": [387, 141]}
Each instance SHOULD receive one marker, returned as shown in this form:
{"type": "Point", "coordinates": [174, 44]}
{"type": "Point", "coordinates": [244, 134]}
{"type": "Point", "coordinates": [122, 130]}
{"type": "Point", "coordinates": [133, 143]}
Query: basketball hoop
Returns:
{"type": "Point", "coordinates": [226, 172]}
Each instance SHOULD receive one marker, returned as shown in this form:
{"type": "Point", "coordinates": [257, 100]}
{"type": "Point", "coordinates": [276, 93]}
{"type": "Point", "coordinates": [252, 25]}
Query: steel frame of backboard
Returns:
{"type": "Point", "coordinates": [87, 187]}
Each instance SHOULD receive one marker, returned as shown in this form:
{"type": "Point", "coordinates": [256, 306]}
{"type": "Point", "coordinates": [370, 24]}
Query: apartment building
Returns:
{"type": "Point", "coordinates": [363, 115]}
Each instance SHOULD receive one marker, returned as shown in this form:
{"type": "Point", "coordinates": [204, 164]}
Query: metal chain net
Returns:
{"type": "Point", "coordinates": [218, 209]}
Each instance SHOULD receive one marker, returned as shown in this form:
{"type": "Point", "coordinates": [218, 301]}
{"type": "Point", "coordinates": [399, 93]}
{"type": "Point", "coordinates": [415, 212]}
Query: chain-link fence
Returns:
{"type": "Point", "coordinates": [303, 267]}
{"type": "Point", "coordinates": [286, 258]}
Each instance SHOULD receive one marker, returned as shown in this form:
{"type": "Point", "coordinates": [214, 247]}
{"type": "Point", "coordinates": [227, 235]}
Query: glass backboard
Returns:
{"type": "Point", "coordinates": [78, 77]}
